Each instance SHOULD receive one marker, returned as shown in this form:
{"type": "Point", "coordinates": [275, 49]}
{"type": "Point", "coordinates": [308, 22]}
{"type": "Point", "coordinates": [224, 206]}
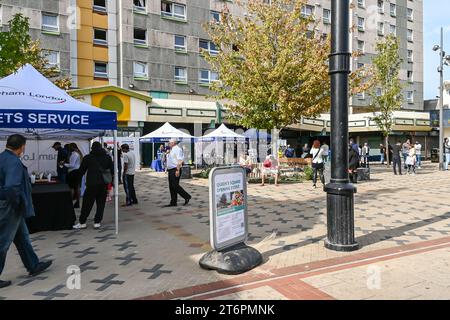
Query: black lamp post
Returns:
{"type": "Point", "coordinates": [340, 205]}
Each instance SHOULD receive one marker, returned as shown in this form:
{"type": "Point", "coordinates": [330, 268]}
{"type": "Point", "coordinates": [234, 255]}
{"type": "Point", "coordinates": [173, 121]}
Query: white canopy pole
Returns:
{"type": "Point", "coordinates": [116, 183]}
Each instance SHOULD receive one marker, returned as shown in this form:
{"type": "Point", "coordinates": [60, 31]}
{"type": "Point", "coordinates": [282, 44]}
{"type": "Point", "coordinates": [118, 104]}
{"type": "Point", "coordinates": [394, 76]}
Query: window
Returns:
{"type": "Point", "coordinates": [215, 16]}
{"type": "Point", "coordinates": [1, 14]}
{"type": "Point", "coordinates": [173, 10]}
{"type": "Point", "coordinates": [410, 35]}
{"type": "Point", "coordinates": [140, 6]}
{"type": "Point", "coordinates": [50, 22]}
{"type": "Point", "coordinates": [410, 56]}
{"type": "Point", "coordinates": [361, 24]}
{"type": "Point", "coordinates": [140, 37]}
{"type": "Point", "coordinates": [52, 58]}
{"type": "Point", "coordinates": [393, 29]}
{"type": "Point", "coordinates": [208, 46]}
{"type": "Point", "coordinates": [326, 16]}
{"type": "Point", "coordinates": [410, 14]}
{"type": "Point", "coordinates": [207, 76]}
{"type": "Point", "coordinates": [101, 70]}
{"type": "Point", "coordinates": [307, 11]}
{"type": "Point", "coordinates": [393, 9]}
{"type": "Point", "coordinates": [180, 74]}
{"type": "Point", "coordinates": [381, 6]}
{"type": "Point", "coordinates": [99, 6]}
{"type": "Point", "coordinates": [140, 70]}
{"type": "Point", "coordinates": [410, 96]}
{"type": "Point", "coordinates": [180, 43]}
{"type": "Point", "coordinates": [100, 37]}
{"type": "Point", "coordinates": [410, 76]}
{"type": "Point", "coordinates": [361, 46]}
{"type": "Point", "coordinates": [380, 28]}
{"type": "Point", "coordinates": [378, 92]}
{"type": "Point", "coordinates": [361, 3]}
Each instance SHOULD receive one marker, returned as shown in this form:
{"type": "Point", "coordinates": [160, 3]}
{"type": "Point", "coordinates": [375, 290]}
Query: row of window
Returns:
{"type": "Point", "coordinates": [140, 72]}
{"type": "Point", "coordinates": [409, 95]}
{"type": "Point", "coordinates": [361, 47]}
{"type": "Point", "coordinates": [381, 29]}
{"type": "Point", "coordinates": [309, 11]}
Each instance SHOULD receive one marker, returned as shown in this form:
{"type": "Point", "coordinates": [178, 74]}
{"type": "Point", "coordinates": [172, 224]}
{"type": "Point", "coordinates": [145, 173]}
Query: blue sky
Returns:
{"type": "Point", "coordinates": [436, 14]}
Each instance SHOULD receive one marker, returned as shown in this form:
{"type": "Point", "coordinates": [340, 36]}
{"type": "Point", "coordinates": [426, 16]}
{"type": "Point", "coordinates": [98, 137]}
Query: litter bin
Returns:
{"type": "Point", "coordinates": [186, 172]}
{"type": "Point", "coordinates": [435, 155]}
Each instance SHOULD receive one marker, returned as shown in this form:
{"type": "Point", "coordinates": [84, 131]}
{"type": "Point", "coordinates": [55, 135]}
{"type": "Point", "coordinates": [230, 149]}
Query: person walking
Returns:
{"type": "Point", "coordinates": [353, 164]}
{"type": "Point", "coordinates": [129, 170]}
{"type": "Point", "coordinates": [119, 162]}
{"type": "Point", "coordinates": [383, 154]}
{"type": "Point", "coordinates": [73, 176]}
{"type": "Point", "coordinates": [396, 158]}
{"type": "Point", "coordinates": [446, 153]}
{"type": "Point", "coordinates": [61, 159]}
{"type": "Point", "coordinates": [317, 163]}
{"type": "Point", "coordinates": [175, 159]}
{"type": "Point", "coordinates": [411, 161]}
{"type": "Point", "coordinates": [99, 170]}
{"type": "Point", "coordinates": [16, 205]}
{"type": "Point", "coordinates": [326, 152]}
{"type": "Point", "coordinates": [365, 154]}
{"type": "Point", "coordinates": [305, 151]}
{"type": "Point", "coordinates": [405, 151]}
{"type": "Point", "coordinates": [418, 147]}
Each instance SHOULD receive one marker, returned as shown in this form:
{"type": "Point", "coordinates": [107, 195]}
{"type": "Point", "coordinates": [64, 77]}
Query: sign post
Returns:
{"type": "Point", "coordinates": [229, 223]}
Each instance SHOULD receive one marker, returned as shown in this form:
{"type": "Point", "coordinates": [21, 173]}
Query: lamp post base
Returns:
{"type": "Point", "coordinates": [341, 247]}
{"type": "Point", "coordinates": [340, 217]}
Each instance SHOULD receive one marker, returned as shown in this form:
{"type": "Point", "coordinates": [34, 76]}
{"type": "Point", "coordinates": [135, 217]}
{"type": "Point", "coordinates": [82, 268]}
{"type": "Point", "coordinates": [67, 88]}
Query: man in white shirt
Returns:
{"type": "Point", "coordinates": [129, 169]}
{"type": "Point", "coordinates": [175, 161]}
{"type": "Point", "coordinates": [418, 148]}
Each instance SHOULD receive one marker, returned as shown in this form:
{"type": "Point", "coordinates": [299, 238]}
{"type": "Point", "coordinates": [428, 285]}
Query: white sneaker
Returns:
{"type": "Point", "coordinates": [97, 226]}
{"type": "Point", "coordinates": [79, 226]}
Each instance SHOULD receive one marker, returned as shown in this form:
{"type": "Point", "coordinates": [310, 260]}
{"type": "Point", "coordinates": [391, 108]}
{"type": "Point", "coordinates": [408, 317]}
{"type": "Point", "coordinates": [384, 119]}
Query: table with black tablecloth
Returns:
{"type": "Point", "coordinates": [53, 207]}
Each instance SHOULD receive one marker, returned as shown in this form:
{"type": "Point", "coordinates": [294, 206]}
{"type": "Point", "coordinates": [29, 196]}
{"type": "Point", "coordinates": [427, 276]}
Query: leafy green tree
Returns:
{"type": "Point", "coordinates": [17, 49]}
{"type": "Point", "coordinates": [387, 88]}
{"type": "Point", "coordinates": [273, 69]}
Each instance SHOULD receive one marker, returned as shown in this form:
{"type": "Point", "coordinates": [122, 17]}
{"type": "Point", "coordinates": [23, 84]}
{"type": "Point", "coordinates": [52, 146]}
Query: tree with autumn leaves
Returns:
{"type": "Point", "coordinates": [17, 49]}
{"type": "Point", "coordinates": [273, 69]}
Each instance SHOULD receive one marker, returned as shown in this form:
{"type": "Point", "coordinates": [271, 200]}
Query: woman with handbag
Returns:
{"type": "Point", "coordinates": [317, 163]}
{"type": "Point", "coordinates": [98, 167]}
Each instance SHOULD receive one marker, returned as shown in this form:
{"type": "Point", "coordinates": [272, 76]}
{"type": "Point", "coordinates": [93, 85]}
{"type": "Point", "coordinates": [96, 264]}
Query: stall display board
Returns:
{"type": "Point", "coordinates": [228, 207]}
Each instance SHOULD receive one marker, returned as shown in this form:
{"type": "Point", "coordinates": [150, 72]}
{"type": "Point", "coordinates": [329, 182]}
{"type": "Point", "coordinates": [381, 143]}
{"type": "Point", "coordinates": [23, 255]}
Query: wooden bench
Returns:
{"type": "Point", "coordinates": [296, 163]}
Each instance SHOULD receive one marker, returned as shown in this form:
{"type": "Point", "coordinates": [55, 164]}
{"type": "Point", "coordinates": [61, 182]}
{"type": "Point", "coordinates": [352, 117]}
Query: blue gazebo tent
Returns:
{"type": "Point", "coordinates": [33, 106]}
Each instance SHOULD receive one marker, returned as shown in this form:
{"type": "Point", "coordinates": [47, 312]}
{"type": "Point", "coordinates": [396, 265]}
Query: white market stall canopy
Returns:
{"type": "Point", "coordinates": [165, 133]}
{"type": "Point", "coordinates": [32, 105]}
{"type": "Point", "coordinates": [222, 133]}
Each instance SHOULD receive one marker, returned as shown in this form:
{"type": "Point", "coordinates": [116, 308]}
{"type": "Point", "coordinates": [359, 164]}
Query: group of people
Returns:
{"type": "Point", "coordinates": [404, 155]}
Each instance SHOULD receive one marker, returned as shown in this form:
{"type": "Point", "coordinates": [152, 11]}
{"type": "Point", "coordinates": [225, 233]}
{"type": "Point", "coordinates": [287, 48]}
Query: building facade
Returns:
{"type": "Point", "coordinates": [153, 48]}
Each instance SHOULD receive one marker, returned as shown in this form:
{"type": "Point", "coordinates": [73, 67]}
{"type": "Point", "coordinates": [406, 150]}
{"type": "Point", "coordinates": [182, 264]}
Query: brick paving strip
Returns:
{"type": "Point", "coordinates": [287, 280]}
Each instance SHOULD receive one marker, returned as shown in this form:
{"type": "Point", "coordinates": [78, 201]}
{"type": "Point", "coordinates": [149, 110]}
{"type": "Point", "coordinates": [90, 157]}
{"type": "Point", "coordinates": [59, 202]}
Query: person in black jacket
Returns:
{"type": "Point", "coordinates": [95, 163]}
{"type": "Point", "coordinates": [353, 164]}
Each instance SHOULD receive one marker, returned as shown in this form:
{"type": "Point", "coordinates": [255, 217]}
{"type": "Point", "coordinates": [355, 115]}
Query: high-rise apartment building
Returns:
{"type": "Point", "coordinates": [153, 46]}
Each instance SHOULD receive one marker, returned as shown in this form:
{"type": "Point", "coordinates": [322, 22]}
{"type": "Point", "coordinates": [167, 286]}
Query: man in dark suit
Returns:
{"type": "Point", "coordinates": [16, 205]}
{"type": "Point", "coordinates": [61, 159]}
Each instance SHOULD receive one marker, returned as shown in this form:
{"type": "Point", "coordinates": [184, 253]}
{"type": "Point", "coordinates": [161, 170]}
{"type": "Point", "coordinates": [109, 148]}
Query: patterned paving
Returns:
{"type": "Point", "coordinates": [158, 249]}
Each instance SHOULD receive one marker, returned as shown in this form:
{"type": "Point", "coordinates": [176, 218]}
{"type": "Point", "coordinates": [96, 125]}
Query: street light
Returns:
{"type": "Point", "coordinates": [340, 192]}
{"type": "Point", "coordinates": [443, 60]}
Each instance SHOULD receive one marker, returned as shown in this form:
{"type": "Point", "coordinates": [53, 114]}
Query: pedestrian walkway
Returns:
{"type": "Point", "coordinates": [402, 224]}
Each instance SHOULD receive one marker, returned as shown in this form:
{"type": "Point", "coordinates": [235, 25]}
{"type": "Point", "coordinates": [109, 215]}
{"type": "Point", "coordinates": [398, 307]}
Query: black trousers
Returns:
{"type": "Point", "coordinates": [94, 194]}
{"type": "Point", "coordinates": [397, 162]}
{"type": "Point", "coordinates": [318, 171]}
{"type": "Point", "coordinates": [128, 184]}
{"type": "Point", "coordinates": [175, 188]}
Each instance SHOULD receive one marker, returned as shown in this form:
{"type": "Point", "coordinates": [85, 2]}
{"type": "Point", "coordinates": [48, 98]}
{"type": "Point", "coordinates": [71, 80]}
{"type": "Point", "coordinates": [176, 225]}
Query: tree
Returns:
{"type": "Point", "coordinates": [17, 49]}
{"type": "Point", "coordinates": [273, 69]}
{"type": "Point", "coordinates": [387, 89]}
